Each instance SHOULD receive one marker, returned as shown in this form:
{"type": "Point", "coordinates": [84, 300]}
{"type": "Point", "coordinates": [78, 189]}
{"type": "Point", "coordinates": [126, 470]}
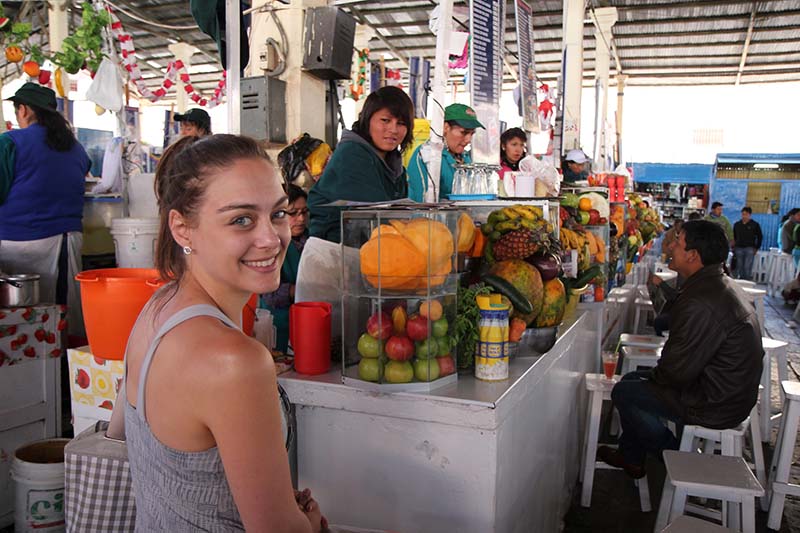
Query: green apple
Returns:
{"type": "Point", "coordinates": [398, 372]}
{"type": "Point", "coordinates": [445, 343]}
{"type": "Point", "coordinates": [439, 327]}
{"type": "Point", "coordinates": [427, 349]}
{"type": "Point", "coordinates": [369, 346]}
{"type": "Point", "coordinates": [584, 216]}
{"type": "Point", "coordinates": [369, 369]}
{"type": "Point", "coordinates": [426, 369]}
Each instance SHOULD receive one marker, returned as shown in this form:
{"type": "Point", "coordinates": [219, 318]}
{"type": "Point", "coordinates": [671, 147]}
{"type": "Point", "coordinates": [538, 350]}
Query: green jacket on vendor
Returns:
{"type": "Point", "coordinates": [418, 173]}
{"type": "Point", "coordinates": [356, 172]}
{"type": "Point", "coordinates": [723, 222]}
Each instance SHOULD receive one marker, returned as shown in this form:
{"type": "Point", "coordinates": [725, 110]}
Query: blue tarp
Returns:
{"type": "Point", "coordinates": [672, 173]}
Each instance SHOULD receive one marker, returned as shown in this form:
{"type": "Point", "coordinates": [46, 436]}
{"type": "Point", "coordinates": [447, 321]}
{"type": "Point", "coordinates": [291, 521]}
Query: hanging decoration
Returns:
{"type": "Point", "coordinates": [462, 61]}
{"type": "Point", "coordinates": [175, 70]}
{"type": "Point", "coordinates": [394, 78]}
{"type": "Point", "coordinates": [357, 86]}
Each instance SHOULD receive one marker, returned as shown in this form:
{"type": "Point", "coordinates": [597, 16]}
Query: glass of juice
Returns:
{"type": "Point", "coordinates": [610, 364]}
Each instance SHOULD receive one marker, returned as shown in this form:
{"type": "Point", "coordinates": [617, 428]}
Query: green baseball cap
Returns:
{"type": "Point", "coordinates": [463, 115]}
{"type": "Point", "coordinates": [35, 95]}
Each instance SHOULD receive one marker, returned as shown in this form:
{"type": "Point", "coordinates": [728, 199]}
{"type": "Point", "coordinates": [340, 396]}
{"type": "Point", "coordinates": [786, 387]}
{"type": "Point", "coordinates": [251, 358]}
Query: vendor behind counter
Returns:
{"type": "Point", "coordinates": [367, 165]}
{"type": "Point", "coordinates": [42, 177]}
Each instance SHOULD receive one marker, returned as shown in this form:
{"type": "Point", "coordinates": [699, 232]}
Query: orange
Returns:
{"type": "Point", "coordinates": [431, 309]}
{"type": "Point", "coordinates": [584, 204]}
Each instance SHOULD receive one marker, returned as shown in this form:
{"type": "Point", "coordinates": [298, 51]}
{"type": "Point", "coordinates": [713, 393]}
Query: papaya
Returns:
{"type": "Point", "coordinates": [466, 233]}
{"type": "Point", "coordinates": [554, 302]}
{"type": "Point", "coordinates": [527, 280]}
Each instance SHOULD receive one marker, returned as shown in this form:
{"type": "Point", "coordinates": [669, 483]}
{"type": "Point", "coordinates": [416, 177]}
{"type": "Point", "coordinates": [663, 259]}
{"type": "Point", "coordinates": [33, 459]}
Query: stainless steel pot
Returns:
{"type": "Point", "coordinates": [19, 290]}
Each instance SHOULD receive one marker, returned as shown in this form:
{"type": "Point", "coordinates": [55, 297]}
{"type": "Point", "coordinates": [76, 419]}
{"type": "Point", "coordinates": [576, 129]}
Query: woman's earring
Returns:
{"type": "Point", "coordinates": [187, 250]}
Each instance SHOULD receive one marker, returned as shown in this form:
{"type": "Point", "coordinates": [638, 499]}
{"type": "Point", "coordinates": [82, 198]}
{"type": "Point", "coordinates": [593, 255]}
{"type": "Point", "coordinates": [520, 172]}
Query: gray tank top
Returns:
{"type": "Point", "coordinates": [176, 491]}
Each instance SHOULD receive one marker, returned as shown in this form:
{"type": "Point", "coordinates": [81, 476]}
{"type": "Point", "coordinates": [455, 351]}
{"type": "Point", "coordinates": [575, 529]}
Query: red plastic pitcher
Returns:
{"type": "Point", "coordinates": [310, 335]}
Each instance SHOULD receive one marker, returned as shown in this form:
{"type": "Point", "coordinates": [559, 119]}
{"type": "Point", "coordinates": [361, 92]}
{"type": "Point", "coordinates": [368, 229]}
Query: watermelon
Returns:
{"type": "Point", "coordinates": [5, 23]}
{"type": "Point", "coordinates": [554, 302]}
{"type": "Point", "coordinates": [526, 279]}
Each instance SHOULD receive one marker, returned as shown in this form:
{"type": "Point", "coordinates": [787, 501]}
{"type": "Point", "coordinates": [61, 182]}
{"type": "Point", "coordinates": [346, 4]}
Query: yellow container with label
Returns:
{"type": "Point", "coordinates": [491, 357]}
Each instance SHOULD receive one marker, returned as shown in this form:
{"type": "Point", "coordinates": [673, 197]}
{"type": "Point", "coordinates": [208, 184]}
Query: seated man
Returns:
{"type": "Point", "coordinates": [710, 367]}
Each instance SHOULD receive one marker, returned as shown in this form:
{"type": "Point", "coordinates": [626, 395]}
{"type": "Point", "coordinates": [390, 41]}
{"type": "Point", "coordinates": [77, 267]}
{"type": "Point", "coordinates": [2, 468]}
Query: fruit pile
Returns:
{"type": "Point", "coordinates": [643, 218]}
{"type": "Point", "coordinates": [588, 209]}
{"type": "Point", "coordinates": [516, 232]}
{"type": "Point", "coordinates": [397, 347]}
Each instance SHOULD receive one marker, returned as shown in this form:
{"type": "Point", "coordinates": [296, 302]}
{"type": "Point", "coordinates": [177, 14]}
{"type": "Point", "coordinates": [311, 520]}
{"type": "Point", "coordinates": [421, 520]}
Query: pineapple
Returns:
{"type": "Point", "coordinates": [517, 244]}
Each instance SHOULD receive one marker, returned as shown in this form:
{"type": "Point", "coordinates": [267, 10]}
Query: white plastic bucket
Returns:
{"type": "Point", "coordinates": [135, 241]}
{"type": "Point", "coordinates": [38, 473]}
{"type": "Point", "coordinates": [141, 196]}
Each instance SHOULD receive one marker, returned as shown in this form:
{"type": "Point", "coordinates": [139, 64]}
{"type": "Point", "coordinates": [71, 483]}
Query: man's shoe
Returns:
{"type": "Point", "coordinates": [614, 458]}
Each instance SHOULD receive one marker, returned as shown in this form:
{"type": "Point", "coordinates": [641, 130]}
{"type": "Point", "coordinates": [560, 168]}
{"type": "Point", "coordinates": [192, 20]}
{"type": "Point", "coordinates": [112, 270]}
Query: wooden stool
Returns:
{"type": "Point", "coordinates": [756, 297]}
{"type": "Point", "coordinates": [779, 485]}
{"type": "Point", "coordinates": [633, 357]}
{"type": "Point", "coordinates": [689, 524]}
{"type": "Point", "coordinates": [642, 341]}
{"type": "Point", "coordinates": [731, 443]}
{"type": "Point", "coordinates": [718, 477]}
{"type": "Point", "coordinates": [600, 389]}
{"type": "Point", "coordinates": [773, 349]}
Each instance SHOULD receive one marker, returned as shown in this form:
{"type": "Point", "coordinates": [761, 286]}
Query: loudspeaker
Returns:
{"type": "Point", "coordinates": [330, 33]}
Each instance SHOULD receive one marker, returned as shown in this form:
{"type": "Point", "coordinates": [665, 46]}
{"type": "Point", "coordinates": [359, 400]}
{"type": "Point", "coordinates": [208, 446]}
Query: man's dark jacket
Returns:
{"type": "Point", "coordinates": [710, 367]}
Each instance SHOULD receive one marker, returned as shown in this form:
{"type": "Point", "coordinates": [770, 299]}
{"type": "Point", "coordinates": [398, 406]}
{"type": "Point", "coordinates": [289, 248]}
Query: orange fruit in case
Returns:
{"type": "Point", "coordinates": [431, 309]}
{"type": "Point", "coordinates": [584, 204]}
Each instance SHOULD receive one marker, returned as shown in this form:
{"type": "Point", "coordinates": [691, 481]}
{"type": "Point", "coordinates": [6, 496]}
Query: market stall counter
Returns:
{"type": "Point", "coordinates": [472, 456]}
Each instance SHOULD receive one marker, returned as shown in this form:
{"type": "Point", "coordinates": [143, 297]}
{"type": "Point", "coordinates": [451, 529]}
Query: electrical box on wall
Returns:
{"type": "Point", "coordinates": [329, 37]}
{"type": "Point", "coordinates": [263, 105]}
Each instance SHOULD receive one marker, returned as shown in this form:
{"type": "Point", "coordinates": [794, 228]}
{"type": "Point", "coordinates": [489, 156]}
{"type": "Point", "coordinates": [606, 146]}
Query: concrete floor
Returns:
{"type": "Point", "coordinates": [615, 499]}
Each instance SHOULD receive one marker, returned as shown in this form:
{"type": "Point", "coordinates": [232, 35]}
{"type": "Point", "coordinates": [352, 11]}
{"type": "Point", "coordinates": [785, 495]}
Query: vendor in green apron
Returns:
{"type": "Point", "coordinates": [278, 302]}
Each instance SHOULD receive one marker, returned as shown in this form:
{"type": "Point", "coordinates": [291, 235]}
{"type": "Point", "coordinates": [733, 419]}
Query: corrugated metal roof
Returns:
{"type": "Point", "coordinates": [658, 42]}
{"type": "Point", "coordinates": [781, 159]}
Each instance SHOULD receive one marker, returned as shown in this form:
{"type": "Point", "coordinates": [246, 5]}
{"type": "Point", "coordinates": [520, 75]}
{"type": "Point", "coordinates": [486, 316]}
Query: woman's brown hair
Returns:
{"type": "Point", "coordinates": [181, 181]}
{"type": "Point", "coordinates": [399, 106]}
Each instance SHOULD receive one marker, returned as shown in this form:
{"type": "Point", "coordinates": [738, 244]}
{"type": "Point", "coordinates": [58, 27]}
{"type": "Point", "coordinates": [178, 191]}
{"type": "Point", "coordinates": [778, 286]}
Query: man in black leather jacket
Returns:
{"type": "Point", "coordinates": [710, 367]}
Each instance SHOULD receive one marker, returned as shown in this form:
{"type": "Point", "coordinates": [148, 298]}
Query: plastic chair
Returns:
{"type": "Point", "coordinates": [634, 357]}
{"type": "Point", "coordinates": [760, 263]}
{"type": "Point", "coordinates": [773, 350]}
{"type": "Point", "coordinates": [779, 486]}
{"type": "Point", "coordinates": [689, 524]}
{"type": "Point", "coordinates": [782, 271]}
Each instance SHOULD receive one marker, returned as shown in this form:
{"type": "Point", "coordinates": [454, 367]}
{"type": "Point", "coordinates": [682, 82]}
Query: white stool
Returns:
{"type": "Point", "coordinates": [633, 357]}
{"type": "Point", "coordinates": [760, 267]}
{"type": "Point", "coordinates": [600, 389]}
{"type": "Point", "coordinates": [756, 297]}
{"type": "Point", "coordinates": [773, 349]}
{"type": "Point", "coordinates": [731, 442]}
{"type": "Point", "coordinates": [689, 524]}
{"type": "Point", "coordinates": [781, 272]}
{"type": "Point", "coordinates": [718, 477]}
{"type": "Point", "coordinates": [642, 341]}
{"type": "Point", "coordinates": [642, 306]}
{"type": "Point", "coordinates": [779, 485]}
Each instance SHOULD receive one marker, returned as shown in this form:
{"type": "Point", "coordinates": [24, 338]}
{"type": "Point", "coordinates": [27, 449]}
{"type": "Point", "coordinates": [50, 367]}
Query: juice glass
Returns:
{"type": "Point", "coordinates": [610, 364]}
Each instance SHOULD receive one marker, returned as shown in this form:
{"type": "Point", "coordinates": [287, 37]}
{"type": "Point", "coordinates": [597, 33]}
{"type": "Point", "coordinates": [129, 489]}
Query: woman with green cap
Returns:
{"type": "Point", "coordinates": [42, 180]}
{"type": "Point", "coordinates": [460, 123]}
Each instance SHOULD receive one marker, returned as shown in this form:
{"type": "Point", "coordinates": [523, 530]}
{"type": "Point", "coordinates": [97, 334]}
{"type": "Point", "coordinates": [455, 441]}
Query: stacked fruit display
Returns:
{"type": "Point", "coordinates": [645, 219]}
{"type": "Point", "coordinates": [398, 347]}
{"type": "Point", "coordinates": [585, 209]}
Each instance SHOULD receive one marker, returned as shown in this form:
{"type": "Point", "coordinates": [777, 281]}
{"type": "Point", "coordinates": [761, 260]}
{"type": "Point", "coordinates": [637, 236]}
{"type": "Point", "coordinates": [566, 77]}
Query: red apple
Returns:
{"type": "Point", "coordinates": [399, 348]}
{"type": "Point", "coordinates": [379, 325]}
{"type": "Point", "coordinates": [417, 327]}
{"type": "Point", "coordinates": [594, 216]}
{"type": "Point", "coordinates": [446, 365]}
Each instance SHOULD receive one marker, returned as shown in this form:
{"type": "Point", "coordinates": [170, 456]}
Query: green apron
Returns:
{"type": "Point", "coordinates": [280, 316]}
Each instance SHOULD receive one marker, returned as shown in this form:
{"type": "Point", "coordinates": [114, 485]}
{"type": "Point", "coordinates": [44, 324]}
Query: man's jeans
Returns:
{"type": "Point", "coordinates": [641, 413]}
{"type": "Point", "coordinates": [744, 261]}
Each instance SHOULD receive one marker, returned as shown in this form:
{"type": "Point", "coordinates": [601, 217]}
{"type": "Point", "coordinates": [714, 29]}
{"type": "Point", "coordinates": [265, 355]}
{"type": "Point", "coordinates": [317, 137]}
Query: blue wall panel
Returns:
{"type": "Point", "coordinates": [732, 194]}
{"type": "Point", "coordinates": [769, 228]}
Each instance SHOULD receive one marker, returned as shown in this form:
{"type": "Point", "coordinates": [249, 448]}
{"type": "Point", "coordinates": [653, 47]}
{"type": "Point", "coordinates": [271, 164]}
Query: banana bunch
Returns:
{"type": "Point", "coordinates": [589, 246]}
{"type": "Point", "coordinates": [515, 217]}
{"type": "Point", "coordinates": [571, 239]}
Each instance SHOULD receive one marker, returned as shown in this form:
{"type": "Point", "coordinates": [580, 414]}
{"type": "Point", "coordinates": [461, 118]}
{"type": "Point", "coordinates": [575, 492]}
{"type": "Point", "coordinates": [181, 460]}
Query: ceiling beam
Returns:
{"type": "Point", "coordinates": [746, 47]}
{"type": "Point", "coordinates": [380, 36]}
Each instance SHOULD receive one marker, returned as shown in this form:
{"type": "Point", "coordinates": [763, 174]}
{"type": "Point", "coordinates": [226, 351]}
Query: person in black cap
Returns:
{"type": "Point", "coordinates": [42, 180]}
{"type": "Point", "coordinates": [194, 122]}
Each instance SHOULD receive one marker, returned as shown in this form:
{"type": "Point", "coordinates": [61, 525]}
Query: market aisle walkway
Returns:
{"type": "Point", "coordinates": [615, 502]}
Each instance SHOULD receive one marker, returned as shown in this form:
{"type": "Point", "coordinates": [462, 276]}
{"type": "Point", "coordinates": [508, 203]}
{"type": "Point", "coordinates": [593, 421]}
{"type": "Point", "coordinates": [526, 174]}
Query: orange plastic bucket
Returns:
{"type": "Point", "coordinates": [112, 298]}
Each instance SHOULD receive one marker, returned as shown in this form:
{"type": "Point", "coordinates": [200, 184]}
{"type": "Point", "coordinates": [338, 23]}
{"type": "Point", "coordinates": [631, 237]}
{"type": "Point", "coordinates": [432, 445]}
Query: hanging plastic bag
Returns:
{"type": "Point", "coordinates": [106, 87]}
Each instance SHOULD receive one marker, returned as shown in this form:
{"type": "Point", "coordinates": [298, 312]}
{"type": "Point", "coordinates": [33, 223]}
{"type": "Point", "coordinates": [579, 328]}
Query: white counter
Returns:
{"type": "Point", "coordinates": [470, 457]}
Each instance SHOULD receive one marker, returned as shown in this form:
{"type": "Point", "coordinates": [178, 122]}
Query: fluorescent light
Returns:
{"type": "Point", "coordinates": [766, 165]}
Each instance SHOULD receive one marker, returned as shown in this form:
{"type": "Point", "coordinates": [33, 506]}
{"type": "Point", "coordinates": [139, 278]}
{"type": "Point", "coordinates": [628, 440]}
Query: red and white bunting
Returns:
{"type": "Point", "coordinates": [175, 70]}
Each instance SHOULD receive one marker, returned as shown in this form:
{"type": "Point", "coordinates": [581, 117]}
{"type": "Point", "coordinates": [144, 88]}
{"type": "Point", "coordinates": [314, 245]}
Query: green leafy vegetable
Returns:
{"type": "Point", "coordinates": [465, 329]}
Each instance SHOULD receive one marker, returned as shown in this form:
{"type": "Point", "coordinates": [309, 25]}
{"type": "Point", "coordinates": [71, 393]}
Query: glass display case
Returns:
{"type": "Point", "coordinates": [399, 297]}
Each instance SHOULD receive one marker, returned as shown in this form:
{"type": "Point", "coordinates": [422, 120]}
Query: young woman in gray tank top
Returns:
{"type": "Point", "coordinates": [202, 415]}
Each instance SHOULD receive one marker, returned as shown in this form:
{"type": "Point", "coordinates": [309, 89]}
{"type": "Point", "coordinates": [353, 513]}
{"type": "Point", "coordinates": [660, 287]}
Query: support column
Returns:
{"type": "Point", "coordinates": [604, 19]}
{"type": "Point", "coordinates": [572, 54]}
{"type": "Point", "coordinates": [621, 79]}
{"type": "Point", "coordinates": [435, 112]}
{"type": "Point", "coordinates": [305, 94]}
{"type": "Point", "coordinates": [184, 52]}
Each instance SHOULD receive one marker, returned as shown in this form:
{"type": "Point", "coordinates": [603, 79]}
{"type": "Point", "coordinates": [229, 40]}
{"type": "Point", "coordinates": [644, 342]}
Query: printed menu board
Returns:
{"type": "Point", "coordinates": [486, 75]}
